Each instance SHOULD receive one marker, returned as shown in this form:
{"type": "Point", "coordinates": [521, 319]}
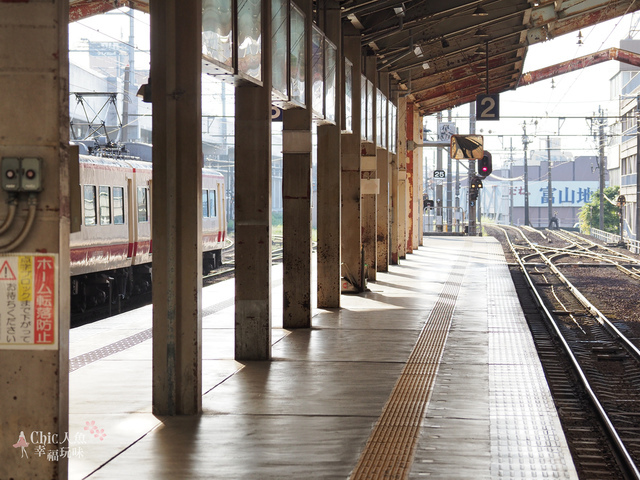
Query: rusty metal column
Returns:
{"type": "Point", "coordinates": [34, 354]}
{"type": "Point", "coordinates": [253, 210]}
{"type": "Point", "coordinates": [329, 178]}
{"type": "Point", "coordinates": [351, 232]}
{"type": "Point", "coordinates": [176, 66]}
{"type": "Point", "coordinates": [296, 200]}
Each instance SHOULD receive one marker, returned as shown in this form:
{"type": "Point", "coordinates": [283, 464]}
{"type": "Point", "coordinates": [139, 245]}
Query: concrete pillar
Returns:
{"type": "Point", "coordinates": [176, 66]}
{"type": "Point", "coordinates": [369, 203]}
{"type": "Point", "coordinates": [383, 169]}
{"type": "Point", "coordinates": [411, 155]}
{"type": "Point", "coordinates": [296, 201]}
{"type": "Point", "coordinates": [351, 232]}
{"type": "Point", "coordinates": [402, 178]}
{"type": "Point", "coordinates": [329, 181]}
{"type": "Point", "coordinates": [253, 210]}
{"type": "Point", "coordinates": [394, 200]}
{"type": "Point", "coordinates": [34, 391]}
{"type": "Point", "coordinates": [418, 174]}
{"type": "Point", "coordinates": [369, 166]}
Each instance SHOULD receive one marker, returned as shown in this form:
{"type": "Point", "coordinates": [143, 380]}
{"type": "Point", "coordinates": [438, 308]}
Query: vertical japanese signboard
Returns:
{"type": "Point", "coordinates": [29, 301]}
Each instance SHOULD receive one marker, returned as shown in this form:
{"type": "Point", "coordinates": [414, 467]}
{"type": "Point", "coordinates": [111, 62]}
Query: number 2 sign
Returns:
{"type": "Point", "coordinates": [488, 107]}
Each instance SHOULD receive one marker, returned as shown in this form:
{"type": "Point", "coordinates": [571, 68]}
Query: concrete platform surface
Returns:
{"type": "Point", "coordinates": [439, 345]}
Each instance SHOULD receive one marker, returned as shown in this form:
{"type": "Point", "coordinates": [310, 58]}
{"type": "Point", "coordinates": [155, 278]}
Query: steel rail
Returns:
{"type": "Point", "coordinates": [629, 463]}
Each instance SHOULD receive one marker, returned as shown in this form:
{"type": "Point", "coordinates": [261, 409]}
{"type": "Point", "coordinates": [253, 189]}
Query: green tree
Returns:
{"type": "Point", "coordinates": [590, 212]}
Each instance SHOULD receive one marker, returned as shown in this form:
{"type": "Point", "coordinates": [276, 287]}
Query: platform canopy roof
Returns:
{"type": "Point", "coordinates": [440, 51]}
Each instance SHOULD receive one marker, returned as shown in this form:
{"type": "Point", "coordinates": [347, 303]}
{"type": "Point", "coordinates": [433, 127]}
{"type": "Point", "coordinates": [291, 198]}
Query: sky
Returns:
{"type": "Point", "coordinates": [578, 94]}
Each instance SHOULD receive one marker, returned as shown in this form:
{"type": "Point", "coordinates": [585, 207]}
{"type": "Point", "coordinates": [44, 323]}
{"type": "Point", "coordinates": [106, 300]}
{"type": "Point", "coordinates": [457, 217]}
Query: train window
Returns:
{"type": "Point", "coordinates": [205, 203]}
{"type": "Point", "coordinates": [118, 205]}
{"type": "Point", "coordinates": [105, 205]}
{"type": "Point", "coordinates": [143, 205]}
{"type": "Point", "coordinates": [90, 215]}
{"type": "Point", "coordinates": [212, 203]}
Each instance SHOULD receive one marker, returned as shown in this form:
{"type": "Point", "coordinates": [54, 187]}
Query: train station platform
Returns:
{"type": "Point", "coordinates": [431, 373]}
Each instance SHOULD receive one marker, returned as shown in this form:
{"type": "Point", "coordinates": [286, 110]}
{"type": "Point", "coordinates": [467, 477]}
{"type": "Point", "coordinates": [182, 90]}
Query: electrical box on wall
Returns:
{"type": "Point", "coordinates": [11, 174]}
{"type": "Point", "coordinates": [31, 174]}
{"type": "Point", "coordinates": [22, 174]}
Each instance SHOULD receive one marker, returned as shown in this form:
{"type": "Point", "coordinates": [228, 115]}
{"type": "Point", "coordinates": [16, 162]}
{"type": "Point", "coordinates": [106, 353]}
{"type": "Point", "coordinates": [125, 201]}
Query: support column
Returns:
{"type": "Point", "coordinates": [394, 209]}
{"type": "Point", "coordinates": [329, 182]}
{"type": "Point", "coordinates": [369, 202]}
{"type": "Point", "coordinates": [296, 201]}
{"type": "Point", "coordinates": [403, 189]}
{"type": "Point", "coordinates": [34, 378]}
{"type": "Point", "coordinates": [383, 211]}
{"type": "Point", "coordinates": [382, 221]}
{"type": "Point", "coordinates": [371, 187]}
{"type": "Point", "coordinates": [418, 174]}
{"type": "Point", "coordinates": [351, 232]}
{"type": "Point", "coordinates": [176, 67]}
{"type": "Point", "coordinates": [411, 154]}
{"type": "Point", "coordinates": [253, 210]}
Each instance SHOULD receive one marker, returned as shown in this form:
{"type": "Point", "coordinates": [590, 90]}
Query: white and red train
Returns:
{"type": "Point", "coordinates": [111, 254]}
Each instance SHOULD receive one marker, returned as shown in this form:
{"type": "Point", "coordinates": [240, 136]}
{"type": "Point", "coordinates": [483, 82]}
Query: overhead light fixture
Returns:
{"type": "Point", "coordinates": [399, 11]}
{"type": "Point", "coordinates": [425, 65]}
{"type": "Point", "coordinates": [479, 12]}
{"type": "Point", "coordinates": [580, 42]}
{"type": "Point", "coordinates": [374, 46]}
{"type": "Point", "coordinates": [417, 50]}
{"type": "Point", "coordinates": [395, 75]}
{"type": "Point", "coordinates": [481, 33]}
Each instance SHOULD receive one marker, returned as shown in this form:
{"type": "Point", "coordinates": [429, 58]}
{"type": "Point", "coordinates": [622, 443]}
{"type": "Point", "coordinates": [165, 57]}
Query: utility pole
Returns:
{"type": "Point", "coordinates": [525, 143]}
{"type": "Point", "coordinates": [449, 185]}
{"type": "Point", "coordinates": [511, 181]}
{"type": "Point", "coordinates": [549, 188]}
{"type": "Point", "coordinates": [602, 168]}
{"type": "Point", "coordinates": [472, 171]}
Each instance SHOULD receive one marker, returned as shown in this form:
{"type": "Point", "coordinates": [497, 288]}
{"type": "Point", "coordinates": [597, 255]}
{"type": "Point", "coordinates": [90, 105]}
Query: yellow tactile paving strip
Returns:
{"type": "Point", "coordinates": [390, 449]}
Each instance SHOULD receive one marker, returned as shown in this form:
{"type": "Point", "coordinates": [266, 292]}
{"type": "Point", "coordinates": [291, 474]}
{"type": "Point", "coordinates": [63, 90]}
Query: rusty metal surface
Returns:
{"type": "Point", "coordinates": [580, 63]}
{"type": "Point", "coordinates": [79, 9]}
{"type": "Point", "coordinates": [448, 69]}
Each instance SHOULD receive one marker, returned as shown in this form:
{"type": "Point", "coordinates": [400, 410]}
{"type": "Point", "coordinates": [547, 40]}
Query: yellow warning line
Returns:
{"type": "Point", "coordinates": [390, 449]}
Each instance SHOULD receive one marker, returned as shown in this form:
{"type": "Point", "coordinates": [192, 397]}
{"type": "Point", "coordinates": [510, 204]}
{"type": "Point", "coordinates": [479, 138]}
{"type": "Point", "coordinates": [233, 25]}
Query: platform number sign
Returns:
{"type": "Point", "coordinates": [488, 107]}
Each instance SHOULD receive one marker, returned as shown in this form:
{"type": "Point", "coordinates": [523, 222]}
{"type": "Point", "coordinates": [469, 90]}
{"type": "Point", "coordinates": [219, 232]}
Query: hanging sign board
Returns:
{"type": "Point", "coordinates": [488, 107]}
{"type": "Point", "coordinates": [29, 301]}
{"type": "Point", "coordinates": [467, 146]}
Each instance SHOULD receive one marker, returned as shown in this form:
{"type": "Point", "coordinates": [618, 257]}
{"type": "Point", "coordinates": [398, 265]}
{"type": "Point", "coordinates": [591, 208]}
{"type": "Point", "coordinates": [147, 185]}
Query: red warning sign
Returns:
{"type": "Point", "coordinates": [6, 273]}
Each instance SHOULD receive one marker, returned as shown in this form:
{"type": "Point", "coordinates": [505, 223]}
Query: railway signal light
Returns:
{"type": "Point", "coordinates": [485, 166]}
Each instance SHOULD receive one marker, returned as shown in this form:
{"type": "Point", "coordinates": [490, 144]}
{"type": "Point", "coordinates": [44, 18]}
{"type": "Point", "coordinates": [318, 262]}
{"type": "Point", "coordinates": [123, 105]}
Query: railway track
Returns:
{"type": "Point", "coordinates": [604, 362]}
